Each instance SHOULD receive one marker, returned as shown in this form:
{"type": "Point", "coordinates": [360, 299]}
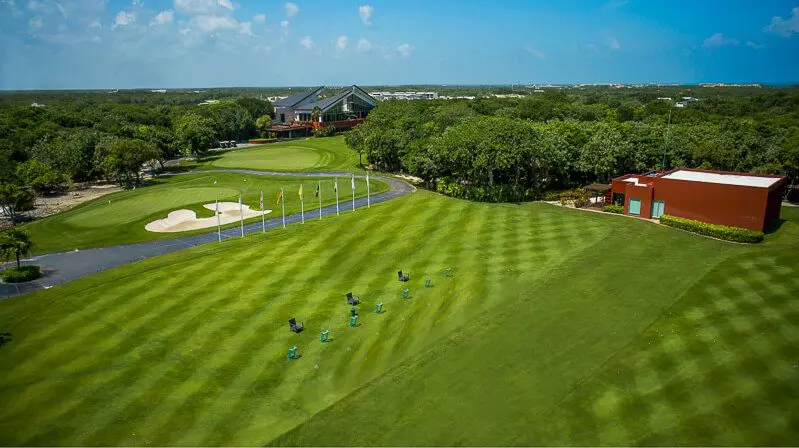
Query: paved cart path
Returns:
{"type": "Point", "coordinates": [61, 267]}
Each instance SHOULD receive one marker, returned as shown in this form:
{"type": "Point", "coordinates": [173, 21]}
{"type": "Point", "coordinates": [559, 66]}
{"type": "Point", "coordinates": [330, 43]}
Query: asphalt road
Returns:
{"type": "Point", "coordinates": [62, 267]}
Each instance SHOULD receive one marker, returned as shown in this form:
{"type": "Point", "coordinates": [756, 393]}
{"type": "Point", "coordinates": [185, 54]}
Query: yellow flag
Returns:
{"type": "Point", "coordinates": [280, 196]}
{"type": "Point", "coordinates": [301, 192]}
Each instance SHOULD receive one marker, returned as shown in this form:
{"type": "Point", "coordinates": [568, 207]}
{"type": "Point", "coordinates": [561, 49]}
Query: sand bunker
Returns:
{"type": "Point", "coordinates": [182, 220]}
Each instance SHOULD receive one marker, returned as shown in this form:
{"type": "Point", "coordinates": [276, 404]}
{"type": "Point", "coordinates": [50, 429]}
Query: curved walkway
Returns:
{"type": "Point", "coordinates": [61, 267]}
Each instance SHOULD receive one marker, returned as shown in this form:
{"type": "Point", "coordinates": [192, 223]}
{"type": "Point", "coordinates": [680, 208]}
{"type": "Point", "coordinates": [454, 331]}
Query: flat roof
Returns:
{"type": "Point", "coordinates": [727, 179]}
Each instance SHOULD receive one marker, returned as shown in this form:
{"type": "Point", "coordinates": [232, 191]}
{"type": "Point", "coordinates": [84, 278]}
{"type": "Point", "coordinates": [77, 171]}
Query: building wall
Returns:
{"type": "Point", "coordinates": [644, 193]}
{"type": "Point", "coordinates": [288, 111]}
{"type": "Point", "coordinates": [729, 205]}
{"type": "Point", "coordinates": [774, 203]}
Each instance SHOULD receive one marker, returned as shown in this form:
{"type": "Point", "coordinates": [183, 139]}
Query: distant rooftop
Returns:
{"type": "Point", "coordinates": [727, 179]}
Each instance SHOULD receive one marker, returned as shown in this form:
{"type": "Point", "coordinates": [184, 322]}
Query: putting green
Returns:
{"type": "Point", "coordinates": [279, 158]}
{"type": "Point", "coordinates": [313, 154]}
{"type": "Point", "coordinates": [129, 209]}
{"type": "Point", "coordinates": [120, 218]}
{"type": "Point", "coordinates": [557, 327]}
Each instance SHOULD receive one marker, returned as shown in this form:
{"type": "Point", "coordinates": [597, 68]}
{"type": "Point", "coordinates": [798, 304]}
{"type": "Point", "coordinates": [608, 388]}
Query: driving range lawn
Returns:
{"type": "Point", "coordinates": [312, 154]}
{"type": "Point", "coordinates": [119, 218]}
{"type": "Point", "coordinates": [557, 327]}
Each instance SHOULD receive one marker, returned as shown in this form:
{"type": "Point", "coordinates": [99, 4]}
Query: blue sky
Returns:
{"type": "Point", "coordinates": [60, 44]}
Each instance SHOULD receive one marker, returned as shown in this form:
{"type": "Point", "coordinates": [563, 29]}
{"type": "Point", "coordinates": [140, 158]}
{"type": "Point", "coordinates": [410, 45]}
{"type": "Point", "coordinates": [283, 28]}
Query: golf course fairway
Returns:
{"type": "Point", "coordinates": [556, 327]}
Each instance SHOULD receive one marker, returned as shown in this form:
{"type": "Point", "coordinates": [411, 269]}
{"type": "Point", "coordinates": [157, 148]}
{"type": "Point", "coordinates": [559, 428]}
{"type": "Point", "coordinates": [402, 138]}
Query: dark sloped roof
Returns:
{"type": "Point", "coordinates": [297, 98]}
{"type": "Point", "coordinates": [325, 103]}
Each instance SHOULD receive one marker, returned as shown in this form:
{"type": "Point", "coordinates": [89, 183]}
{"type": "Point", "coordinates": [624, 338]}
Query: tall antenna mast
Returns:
{"type": "Point", "coordinates": [665, 143]}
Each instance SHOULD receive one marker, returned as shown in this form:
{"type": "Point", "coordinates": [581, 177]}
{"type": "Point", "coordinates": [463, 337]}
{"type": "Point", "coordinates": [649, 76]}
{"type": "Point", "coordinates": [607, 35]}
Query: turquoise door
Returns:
{"type": "Point", "coordinates": [658, 208]}
{"type": "Point", "coordinates": [635, 207]}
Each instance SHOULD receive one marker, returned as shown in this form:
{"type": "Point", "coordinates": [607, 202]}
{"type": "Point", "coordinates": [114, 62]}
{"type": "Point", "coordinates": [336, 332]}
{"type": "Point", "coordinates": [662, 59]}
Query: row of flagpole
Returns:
{"type": "Point", "coordinates": [281, 201]}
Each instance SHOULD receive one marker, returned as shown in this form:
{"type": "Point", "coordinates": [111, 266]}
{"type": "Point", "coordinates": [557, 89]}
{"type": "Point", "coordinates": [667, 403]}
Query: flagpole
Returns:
{"type": "Point", "coordinates": [241, 217]}
{"type": "Point", "coordinates": [368, 201]}
{"type": "Point", "coordinates": [263, 214]}
{"type": "Point", "coordinates": [283, 204]}
{"type": "Point", "coordinates": [336, 195]}
{"type": "Point", "coordinates": [319, 186]}
{"type": "Point", "coordinates": [353, 192]}
{"type": "Point", "coordinates": [218, 224]}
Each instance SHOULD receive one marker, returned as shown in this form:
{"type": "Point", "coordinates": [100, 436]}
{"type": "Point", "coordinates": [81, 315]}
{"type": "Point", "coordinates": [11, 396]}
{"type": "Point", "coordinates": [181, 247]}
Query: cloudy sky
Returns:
{"type": "Point", "coordinates": [58, 44]}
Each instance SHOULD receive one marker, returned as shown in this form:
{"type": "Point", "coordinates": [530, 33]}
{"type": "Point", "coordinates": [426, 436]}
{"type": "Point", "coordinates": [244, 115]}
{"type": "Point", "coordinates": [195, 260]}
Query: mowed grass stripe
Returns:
{"type": "Point", "coordinates": [134, 330]}
{"type": "Point", "coordinates": [216, 359]}
{"type": "Point", "coordinates": [172, 330]}
{"type": "Point", "coordinates": [257, 364]}
{"type": "Point", "coordinates": [79, 326]}
{"type": "Point", "coordinates": [206, 355]}
{"type": "Point", "coordinates": [278, 399]}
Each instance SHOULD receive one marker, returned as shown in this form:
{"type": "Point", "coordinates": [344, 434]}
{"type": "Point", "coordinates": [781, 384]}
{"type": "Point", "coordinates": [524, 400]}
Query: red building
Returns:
{"type": "Point", "coordinates": [751, 201]}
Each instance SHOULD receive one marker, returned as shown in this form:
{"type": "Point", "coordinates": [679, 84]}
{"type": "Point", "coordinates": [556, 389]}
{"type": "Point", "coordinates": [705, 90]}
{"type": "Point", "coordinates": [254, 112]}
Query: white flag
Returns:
{"type": "Point", "coordinates": [352, 182]}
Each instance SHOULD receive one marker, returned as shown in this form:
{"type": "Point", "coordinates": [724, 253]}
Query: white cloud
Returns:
{"type": "Point", "coordinates": [365, 11]}
{"type": "Point", "coordinates": [753, 45]}
{"type": "Point", "coordinates": [184, 31]}
{"type": "Point", "coordinates": [786, 27]}
{"type": "Point", "coordinates": [535, 52]}
{"type": "Point", "coordinates": [95, 24]}
{"type": "Point", "coordinates": [259, 18]}
{"type": "Point", "coordinates": [364, 46]}
{"type": "Point", "coordinates": [291, 9]}
{"type": "Point", "coordinates": [245, 28]}
{"type": "Point", "coordinates": [124, 18]}
{"type": "Point", "coordinates": [285, 26]}
{"type": "Point", "coordinates": [307, 43]}
{"type": "Point", "coordinates": [34, 24]}
{"type": "Point", "coordinates": [96, 39]}
{"type": "Point", "coordinates": [191, 7]}
{"type": "Point", "coordinates": [162, 18]}
{"type": "Point", "coordinates": [718, 40]}
{"type": "Point", "coordinates": [405, 50]}
{"type": "Point", "coordinates": [613, 43]}
{"type": "Point", "coordinates": [591, 47]}
{"type": "Point", "coordinates": [341, 43]}
{"type": "Point", "coordinates": [136, 2]}
{"type": "Point", "coordinates": [35, 5]}
{"type": "Point", "coordinates": [212, 24]}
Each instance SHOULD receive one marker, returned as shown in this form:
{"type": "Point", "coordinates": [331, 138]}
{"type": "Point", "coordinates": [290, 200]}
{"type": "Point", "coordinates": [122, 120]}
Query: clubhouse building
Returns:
{"type": "Point", "coordinates": [299, 114]}
{"type": "Point", "coordinates": [751, 201]}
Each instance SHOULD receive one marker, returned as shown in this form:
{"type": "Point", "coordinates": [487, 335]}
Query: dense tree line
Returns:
{"type": "Point", "coordinates": [45, 149]}
{"type": "Point", "coordinates": [495, 149]}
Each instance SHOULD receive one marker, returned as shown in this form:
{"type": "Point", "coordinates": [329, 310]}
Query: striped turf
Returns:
{"type": "Point", "coordinates": [552, 321]}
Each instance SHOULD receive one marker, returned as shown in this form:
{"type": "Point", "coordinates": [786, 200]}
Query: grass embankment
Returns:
{"type": "Point", "coordinates": [313, 154]}
{"type": "Point", "coordinates": [119, 218]}
{"type": "Point", "coordinates": [557, 327]}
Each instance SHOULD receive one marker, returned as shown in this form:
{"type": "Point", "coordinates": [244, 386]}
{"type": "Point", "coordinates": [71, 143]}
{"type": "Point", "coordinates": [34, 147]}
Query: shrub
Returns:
{"type": "Point", "coordinates": [613, 209]}
{"type": "Point", "coordinates": [20, 274]}
{"type": "Point", "coordinates": [258, 141]}
{"type": "Point", "coordinates": [580, 202]}
{"type": "Point", "coordinates": [327, 131]}
{"type": "Point", "coordinates": [727, 233]}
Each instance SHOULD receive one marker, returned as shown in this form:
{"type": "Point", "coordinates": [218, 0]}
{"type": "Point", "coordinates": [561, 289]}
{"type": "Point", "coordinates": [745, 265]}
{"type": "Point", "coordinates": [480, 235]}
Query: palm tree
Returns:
{"type": "Point", "coordinates": [315, 114]}
{"type": "Point", "coordinates": [16, 242]}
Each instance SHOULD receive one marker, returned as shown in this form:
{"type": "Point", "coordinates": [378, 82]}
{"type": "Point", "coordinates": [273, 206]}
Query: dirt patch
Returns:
{"type": "Point", "coordinates": [50, 205]}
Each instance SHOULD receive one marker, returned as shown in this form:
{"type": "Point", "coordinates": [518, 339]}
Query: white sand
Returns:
{"type": "Point", "coordinates": [182, 220]}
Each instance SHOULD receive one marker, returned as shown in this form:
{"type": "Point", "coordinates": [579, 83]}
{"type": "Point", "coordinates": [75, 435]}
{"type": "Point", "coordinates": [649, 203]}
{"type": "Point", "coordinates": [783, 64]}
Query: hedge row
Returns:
{"type": "Point", "coordinates": [613, 209]}
{"type": "Point", "coordinates": [736, 234]}
{"type": "Point", "coordinates": [21, 274]}
{"type": "Point", "coordinates": [258, 141]}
